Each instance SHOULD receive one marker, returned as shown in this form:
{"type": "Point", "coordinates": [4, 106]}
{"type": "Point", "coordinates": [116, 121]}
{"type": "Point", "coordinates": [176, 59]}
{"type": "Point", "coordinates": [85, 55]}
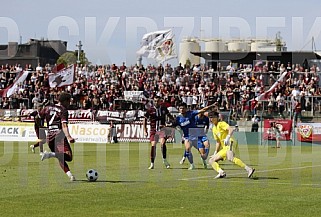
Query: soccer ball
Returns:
{"type": "Point", "coordinates": [92, 175]}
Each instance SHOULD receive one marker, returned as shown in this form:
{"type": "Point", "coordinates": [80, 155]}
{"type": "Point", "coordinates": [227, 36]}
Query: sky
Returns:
{"type": "Point", "coordinates": [111, 31]}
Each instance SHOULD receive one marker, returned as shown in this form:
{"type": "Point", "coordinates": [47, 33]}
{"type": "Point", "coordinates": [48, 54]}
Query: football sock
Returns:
{"type": "Point", "coordinates": [152, 154]}
{"type": "Point", "coordinates": [207, 150]}
{"type": "Point", "coordinates": [164, 150]}
{"type": "Point", "coordinates": [216, 166]}
{"type": "Point", "coordinates": [64, 166]}
{"type": "Point", "coordinates": [203, 156]}
{"type": "Point", "coordinates": [61, 156]}
{"type": "Point", "coordinates": [190, 157]}
{"type": "Point", "coordinates": [186, 153]}
{"type": "Point", "coordinates": [238, 162]}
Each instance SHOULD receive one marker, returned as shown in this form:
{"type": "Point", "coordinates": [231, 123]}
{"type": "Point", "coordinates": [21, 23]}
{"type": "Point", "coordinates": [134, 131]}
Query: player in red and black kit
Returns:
{"type": "Point", "coordinates": [157, 116]}
{"type": "Point", "coordinates": [58, 136]}
{"type": "Point", "coordinates": [39, 129]}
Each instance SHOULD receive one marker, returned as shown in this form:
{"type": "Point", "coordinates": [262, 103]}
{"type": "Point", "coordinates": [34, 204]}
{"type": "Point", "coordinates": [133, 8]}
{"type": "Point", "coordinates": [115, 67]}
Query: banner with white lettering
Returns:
{"type": "Point", "coordinates": [134, 95]}
{"type": "Point", "coordinates": [85, 133]}
{"type": "Point", "coordinates": [74, 115]}
{"type": "Point", "coordinates": [283, 126]}
{"type": "Point", "coordinates": [133, 115]}
{"type": "Point", "coordinates": [80, 115]}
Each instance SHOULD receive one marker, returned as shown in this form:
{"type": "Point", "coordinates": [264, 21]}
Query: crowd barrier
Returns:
{"type": "Point", "coordinates": [134, 132]}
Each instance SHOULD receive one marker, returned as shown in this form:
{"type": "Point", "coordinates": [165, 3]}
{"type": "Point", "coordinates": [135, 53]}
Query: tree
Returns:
{"type": "Point", "coordinates": [278, 42]}
{"type": "Point", "coordinates": [188, 63]}
{"type": "Point", "coordinates": [67, 58]}
{"type": "Point", "coordinates": [71, 58]}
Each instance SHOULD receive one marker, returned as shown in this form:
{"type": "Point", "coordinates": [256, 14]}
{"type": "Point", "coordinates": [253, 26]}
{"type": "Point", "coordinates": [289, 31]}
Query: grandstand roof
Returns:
{"type": "Point", "coordinates": [249, 57]}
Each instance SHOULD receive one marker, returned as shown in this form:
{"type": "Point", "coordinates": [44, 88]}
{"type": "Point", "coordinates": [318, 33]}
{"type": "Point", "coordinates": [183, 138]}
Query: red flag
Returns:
{"type": "Point", "coordinates": [65, 76]}
{"type": "Point", "coordinates": [58, 68]}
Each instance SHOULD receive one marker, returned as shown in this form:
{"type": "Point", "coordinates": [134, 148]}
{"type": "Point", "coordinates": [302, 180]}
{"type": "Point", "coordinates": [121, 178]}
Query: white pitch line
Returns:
{"type": "Point", "coordinates": [274, 183]}
{"type": "Point", "coordinates": [256, 171]}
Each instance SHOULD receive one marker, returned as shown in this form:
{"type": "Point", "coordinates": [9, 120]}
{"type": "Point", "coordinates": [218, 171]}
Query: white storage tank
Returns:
{"type": "Point", "coordinates": [263, 46]}
{"type": "Point", "coordinates": [238, 46]}
{"type": "Point", "coordinates": [215, 46]}
{"type": "Point", "coordinates": [257, 45]}
{"type": "Point", "coordinates": [185, 47]}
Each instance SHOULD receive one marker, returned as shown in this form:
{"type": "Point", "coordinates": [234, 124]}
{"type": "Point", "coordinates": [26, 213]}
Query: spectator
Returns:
{"type": "Point", "coordinates": [108, 82]}
{"type": "Point", "coordinates": [36, 101]}
{"type": "Point", "coordinates": [255, 124]}
{"type": "Point", "coordinates": [280, 100]}
{"type": "Point", "coordinates": [297, 110]}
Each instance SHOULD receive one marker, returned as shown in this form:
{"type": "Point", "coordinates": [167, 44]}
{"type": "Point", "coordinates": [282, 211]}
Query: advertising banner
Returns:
{"type": "Point", "coordinates": [17, 133]}
{"type": "Point", "coordinates": [283, 126]}
{"type": "Point", "coordinates": [308, 132]}
{"type": "Point", "coordinates": [85, 133]}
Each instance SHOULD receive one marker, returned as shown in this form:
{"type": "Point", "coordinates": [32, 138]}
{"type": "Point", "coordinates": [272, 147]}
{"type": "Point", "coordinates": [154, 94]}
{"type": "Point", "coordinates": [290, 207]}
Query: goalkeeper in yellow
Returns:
{"type": "Point", "coordinates": [222, 133]}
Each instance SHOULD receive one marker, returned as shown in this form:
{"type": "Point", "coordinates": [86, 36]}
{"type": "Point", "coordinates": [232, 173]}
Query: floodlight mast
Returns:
{"type": "Point", "coordinates": [79, 45]}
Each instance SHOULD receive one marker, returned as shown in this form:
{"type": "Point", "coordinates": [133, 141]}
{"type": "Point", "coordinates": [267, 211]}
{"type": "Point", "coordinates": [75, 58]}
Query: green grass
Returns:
{"type": "Point", "coordinates": [286, 183]}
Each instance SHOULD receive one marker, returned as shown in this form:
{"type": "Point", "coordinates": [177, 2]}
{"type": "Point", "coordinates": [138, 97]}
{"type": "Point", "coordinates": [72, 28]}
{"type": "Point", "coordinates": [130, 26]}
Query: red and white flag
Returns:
{"type": "Point", "coordinates": [266, 94]}
{"type": "Point", "coordinates": [58, 68]}
{"type": "Point", "coordinates": [21, 77]}
{"type": "Point", "coordinates": [65, 76]}
{"type": "Point", "coordinates": [158, 45]}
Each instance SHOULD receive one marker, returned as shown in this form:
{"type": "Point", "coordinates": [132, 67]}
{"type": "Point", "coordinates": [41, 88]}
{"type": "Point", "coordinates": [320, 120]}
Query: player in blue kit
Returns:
{"type": "Point", "coordinates": [187, 123]}
{"type": "Point", "coordinates": [202, 145]}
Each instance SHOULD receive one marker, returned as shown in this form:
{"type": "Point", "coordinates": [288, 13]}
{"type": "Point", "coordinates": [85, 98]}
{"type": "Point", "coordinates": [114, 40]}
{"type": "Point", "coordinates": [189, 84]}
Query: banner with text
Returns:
{"type": "Point", "coordinates": [284, 126]}
{"type": "Point", "coordinates": [134, 95]}
{"type": "Point", "coordinates": [74, 115]}
{"type": "Point", "coordinates": [118, 116]}
{"type": "Point", "coordinates": [85, 133]}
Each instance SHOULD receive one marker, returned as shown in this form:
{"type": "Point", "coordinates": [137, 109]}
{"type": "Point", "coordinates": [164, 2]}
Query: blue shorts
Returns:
{"type": "Point", "coordinates": [200, 142]}
{"type": "Point", "coordinates": [192, 140]}
{"type": "Point", "coordinates": [202, 138]}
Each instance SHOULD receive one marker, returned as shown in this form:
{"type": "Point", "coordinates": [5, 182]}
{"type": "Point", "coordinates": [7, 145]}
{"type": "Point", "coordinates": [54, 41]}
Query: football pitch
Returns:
{"type": "Point", "coordinates": [287, 182]}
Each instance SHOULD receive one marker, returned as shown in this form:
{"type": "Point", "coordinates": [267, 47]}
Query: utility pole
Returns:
{"type": "Point", "coordinates": [79, 45]}
{"type": "Point", "coordinates": [313, 44]}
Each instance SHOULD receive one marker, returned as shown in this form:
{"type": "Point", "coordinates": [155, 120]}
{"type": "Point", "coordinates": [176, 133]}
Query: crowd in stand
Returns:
{"type": "Point", "coordinates": [233, 87]}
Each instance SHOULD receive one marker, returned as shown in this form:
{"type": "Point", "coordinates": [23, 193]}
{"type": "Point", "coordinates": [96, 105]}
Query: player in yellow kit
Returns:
{"type": "Point", "coordinates": [222, 133]}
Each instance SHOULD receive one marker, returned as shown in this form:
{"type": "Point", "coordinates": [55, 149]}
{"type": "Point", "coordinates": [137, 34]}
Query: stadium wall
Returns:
{"type": "Point", "coordinates": [127, 132]}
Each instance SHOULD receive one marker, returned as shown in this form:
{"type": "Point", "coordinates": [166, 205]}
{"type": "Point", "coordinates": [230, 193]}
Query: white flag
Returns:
{"type": "Point", "coordinates": [158, 45]}
{"type": "Point", "coordinates": [63, 77]}
{"type": "Point", "coordinates": [266, 94]}
{"type": "Point", "coordinates": [19, 80]}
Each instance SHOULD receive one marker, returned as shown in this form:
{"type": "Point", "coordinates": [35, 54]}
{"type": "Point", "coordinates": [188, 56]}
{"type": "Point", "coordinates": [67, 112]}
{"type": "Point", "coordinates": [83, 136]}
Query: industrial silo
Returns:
{"type": "Point", "coordinates": [262, 45]}
{"type": "Point", "coordinates": [238, 45]}
{"type": "Point", "coordinates": [215, 45]}
{"type": "Point", "coordinates": [185, 47]}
